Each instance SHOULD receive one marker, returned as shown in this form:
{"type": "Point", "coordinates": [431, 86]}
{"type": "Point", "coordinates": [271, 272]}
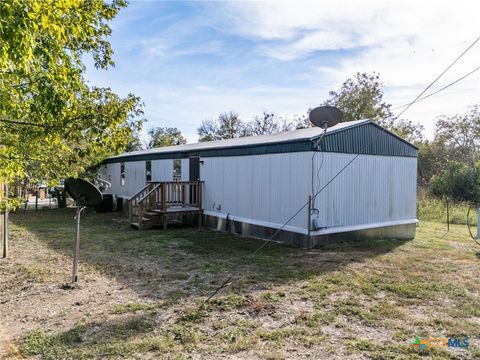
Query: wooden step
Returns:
{"type": "Point", "coordinates": [151, 213]}
{"type": "Point", "coordinates": [146, 223]}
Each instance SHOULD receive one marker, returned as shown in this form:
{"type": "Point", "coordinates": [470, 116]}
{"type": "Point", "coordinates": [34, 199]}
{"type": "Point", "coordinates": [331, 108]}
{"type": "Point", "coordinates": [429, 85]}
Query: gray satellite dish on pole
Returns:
{"type": "Point", "coordinates": [325, 116]}
{"type": "Point", "coordinates": [322, 117]}
{"type": "Point", "coordinates": [85, 194]}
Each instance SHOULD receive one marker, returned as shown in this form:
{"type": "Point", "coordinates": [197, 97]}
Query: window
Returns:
{"type": "Point", "coordinates": [122, 174]}
{"type": "Point", "coordinates": [177, 170]}
{"type": "Point", "coordinates": [148, 171]}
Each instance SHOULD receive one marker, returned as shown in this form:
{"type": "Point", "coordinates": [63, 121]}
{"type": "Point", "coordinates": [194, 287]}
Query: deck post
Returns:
{"type": "Point", "coordinates": [182, 195]}
{"type": "Point", "coordinates": [179, 198]}
{"type": "Point", "coordinates": [199, 195]}
{"type": "Point", "coordinates": [140, 215]}
{"type": "Point", "coordinates": [164, 206]}
{"type": "Point", "coordinates": [200, 212]}
{"type": "Point", "coordinates": [164, 197]}
{"type": "Point", "coordinates": [130, 211]}
{"type": "Point", "coordinates": [151, 199]}
{"type": "Point", "coordinates": [165, 221]}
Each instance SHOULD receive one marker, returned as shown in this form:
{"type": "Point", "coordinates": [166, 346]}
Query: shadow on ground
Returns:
{"type": "Point", "coordinates": [185, 262]}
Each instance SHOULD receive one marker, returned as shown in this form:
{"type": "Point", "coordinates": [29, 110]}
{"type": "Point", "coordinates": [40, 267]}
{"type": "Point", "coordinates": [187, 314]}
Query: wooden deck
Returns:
{"type": "Point", "coordinates": [160, 202]}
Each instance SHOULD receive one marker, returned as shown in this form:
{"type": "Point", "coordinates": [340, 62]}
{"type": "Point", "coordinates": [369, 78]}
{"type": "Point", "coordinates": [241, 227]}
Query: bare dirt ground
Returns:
{"type": "Point", "coordinates": [141, 294]}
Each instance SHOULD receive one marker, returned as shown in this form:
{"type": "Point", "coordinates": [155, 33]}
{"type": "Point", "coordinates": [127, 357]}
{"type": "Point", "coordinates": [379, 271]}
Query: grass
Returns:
{"type": "Point", "coordinates": [134, 307]}
{"type": "Point", "coordinates": [141, 294]}
{"type": "Point", "coordinates": [434, 209]}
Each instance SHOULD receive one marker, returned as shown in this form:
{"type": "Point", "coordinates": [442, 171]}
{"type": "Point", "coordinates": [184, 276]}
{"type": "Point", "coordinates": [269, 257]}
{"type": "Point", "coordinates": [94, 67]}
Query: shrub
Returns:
{"type": "Point", "coordinates": [459, 182]}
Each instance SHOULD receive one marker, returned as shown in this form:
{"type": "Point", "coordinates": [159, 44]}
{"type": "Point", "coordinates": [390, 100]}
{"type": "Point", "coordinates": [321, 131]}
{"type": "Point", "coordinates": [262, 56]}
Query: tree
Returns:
{"type": "Point", "coordinates": [267, 123]}
{"type": "Point", "coordinates": [456, 142]}
{"type": "Point", "coordinates": [165, 137]}
{"type": "Point", "coordinates": [433, 158]}
{"type": "Point", "coordinates": [134, 144]}
{"type": "Point", "coordinates": [52, 124]}
{"type": "Point", "coordinates": [228, 125]}
{"type": "Point", "coordinates": [459, 181]}
{"type": "Point", "coordinates": [406, 129]}
{"type": "Point", "coordinates": [461, 134]}
{"type": "Point", "coordinates": [302, 121]}
{"type": "Point", "coordinates": [362, 98]}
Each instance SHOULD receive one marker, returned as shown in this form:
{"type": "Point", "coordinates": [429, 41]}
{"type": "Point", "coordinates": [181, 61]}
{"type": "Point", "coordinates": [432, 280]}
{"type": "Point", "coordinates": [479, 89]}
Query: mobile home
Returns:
{"type": "Point", "coordinates": [356, 180]}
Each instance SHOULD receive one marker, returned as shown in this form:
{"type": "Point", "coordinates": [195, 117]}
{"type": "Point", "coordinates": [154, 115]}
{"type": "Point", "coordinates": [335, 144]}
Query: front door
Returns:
{"type": "Point", "coordinates": [194, 175]}
{"type": "Point", "coordinates": [194, 168]}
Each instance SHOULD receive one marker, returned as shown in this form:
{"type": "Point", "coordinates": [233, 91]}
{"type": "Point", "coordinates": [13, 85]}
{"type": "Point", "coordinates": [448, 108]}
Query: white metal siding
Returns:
{"type": "Point", "coordinates": [372, 189]}
{"type": "Point", "coordinates": [162, 170]}
{"type": "Point", "coordinates": [185, 169]}
{"type": "Point", "coordinates": [268, 189]}
{"type": "Point", "coordinates": [263, 188]}
{"type": "Point", "coordinates": [112, 173]}
{"type": "Point", "coordinates": [135, 178]}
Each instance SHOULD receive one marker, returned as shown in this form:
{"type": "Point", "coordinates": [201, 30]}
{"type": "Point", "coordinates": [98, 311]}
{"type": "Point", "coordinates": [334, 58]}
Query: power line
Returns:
{"type": "Point", "coordinates": [443, 88]}
{"type": "Point", "coordinates": [438, 77]}
{"type": "Point", "coordinates": [226, 282]}
{"type": "Point", "coordinates": [270, 239]}
{"type": "Point", "coordinates": [468, 226]}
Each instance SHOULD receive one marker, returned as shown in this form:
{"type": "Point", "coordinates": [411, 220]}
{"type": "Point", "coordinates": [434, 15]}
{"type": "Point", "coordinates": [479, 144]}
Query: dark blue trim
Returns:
{"type": "Point", "coordinates": [366, 138]}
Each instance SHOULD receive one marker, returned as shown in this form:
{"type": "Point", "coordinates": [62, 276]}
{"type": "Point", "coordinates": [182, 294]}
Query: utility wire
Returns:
{"type": "Point", "coordinates": [439, 90]}
{"type": "Point", "coordinates": [438, 77]}
{"type": "Point", "coordinates": [468, 226]}
{"type": "Point", "coordinates": [227, 281]}
{"type": "Point", "coordinates": [270, 239]}
{"type": "Point", "coordinates": [303, 207]}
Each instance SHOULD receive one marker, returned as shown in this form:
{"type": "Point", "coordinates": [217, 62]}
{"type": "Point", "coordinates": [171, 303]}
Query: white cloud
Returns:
{"type": "Point", "coordinates": [197, 104]}
{"type": "Point", "coordinates": [409, 43]}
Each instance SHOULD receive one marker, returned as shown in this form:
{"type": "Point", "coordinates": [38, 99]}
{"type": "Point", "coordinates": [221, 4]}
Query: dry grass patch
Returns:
{"type": "Point", "coordinates": [141, 293]}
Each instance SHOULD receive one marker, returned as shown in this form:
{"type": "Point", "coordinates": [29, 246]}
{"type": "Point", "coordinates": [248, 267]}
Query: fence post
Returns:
{"type": "Point", "coordinates": [448, 215]}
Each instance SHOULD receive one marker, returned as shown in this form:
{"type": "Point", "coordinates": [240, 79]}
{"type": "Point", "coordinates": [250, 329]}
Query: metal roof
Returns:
{"type": "Point", "coordinates": [362, 136]}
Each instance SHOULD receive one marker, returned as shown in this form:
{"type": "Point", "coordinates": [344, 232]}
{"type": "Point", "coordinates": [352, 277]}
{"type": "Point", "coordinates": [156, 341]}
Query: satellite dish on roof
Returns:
{"type": "Point", "coordinates": [325, 116]}
{"type": "Point", "coordinates": [85, 194]}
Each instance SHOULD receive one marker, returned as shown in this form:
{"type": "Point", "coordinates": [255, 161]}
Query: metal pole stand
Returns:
{"type": "Point", "coordinates": [478, 223]}
{"type": "Point", "coordinates": [5, 225]}
{"type": "Point", "coordinates": [76, 251]}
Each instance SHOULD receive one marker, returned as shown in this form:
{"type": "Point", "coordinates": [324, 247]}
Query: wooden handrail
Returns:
{"type": "Point", "coordinates": [150, 192]}
{"type": "Point", "coordinates": [141, 191]}
{"type": "Point", "coordinates": [164, 195]}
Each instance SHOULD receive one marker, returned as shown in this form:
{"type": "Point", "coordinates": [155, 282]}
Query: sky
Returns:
{"type": "Point", "coordinates": [190, 61]}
